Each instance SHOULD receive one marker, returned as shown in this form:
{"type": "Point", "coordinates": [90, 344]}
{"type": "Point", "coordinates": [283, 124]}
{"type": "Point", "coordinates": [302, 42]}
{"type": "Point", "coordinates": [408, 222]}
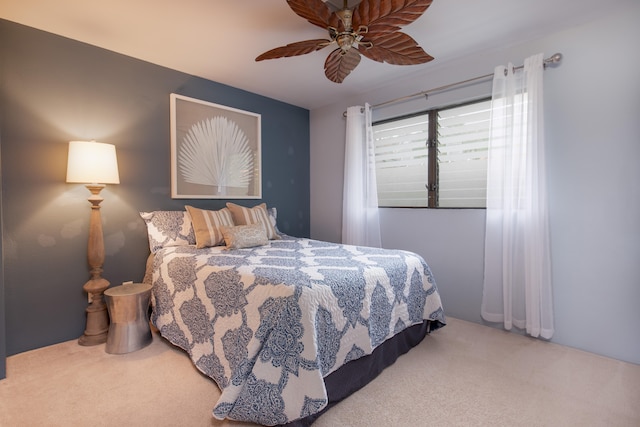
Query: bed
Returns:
{"type": "Point", "coordinates": [285, 326]}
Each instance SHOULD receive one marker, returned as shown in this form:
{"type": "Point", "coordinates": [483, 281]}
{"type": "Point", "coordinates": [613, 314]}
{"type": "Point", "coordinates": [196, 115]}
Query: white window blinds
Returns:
{"type": "Point", "coordinates": [463, 135]}
{"type": "Point", "coordinates": [402, 161]}
{"type": "Point", "coordinates": [460, 148]}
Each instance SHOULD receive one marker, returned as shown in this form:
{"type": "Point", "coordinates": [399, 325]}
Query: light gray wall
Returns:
{"type": "Point", "coordinates": [592, 114]}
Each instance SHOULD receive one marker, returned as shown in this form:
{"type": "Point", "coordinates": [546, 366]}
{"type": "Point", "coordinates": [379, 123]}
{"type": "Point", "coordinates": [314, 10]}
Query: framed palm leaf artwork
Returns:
{"type": "Point", "coordinates": [215, 151]}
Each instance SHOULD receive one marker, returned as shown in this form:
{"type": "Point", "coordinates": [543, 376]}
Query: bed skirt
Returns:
{"type": "Point", "coordinates": [358, 373]}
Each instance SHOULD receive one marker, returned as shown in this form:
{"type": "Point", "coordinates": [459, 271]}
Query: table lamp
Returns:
{"type": "Point", "coordinates": [94, 164]}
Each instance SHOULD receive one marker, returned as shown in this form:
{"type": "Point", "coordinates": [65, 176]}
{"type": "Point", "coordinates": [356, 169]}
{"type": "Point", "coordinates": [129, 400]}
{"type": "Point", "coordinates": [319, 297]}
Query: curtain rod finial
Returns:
{"type": "Point", "coordinates": [555, 58]}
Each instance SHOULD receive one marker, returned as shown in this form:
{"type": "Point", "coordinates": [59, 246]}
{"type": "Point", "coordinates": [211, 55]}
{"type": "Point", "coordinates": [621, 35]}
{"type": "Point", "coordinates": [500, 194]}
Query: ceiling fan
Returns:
{"type": "Point", "coordinates": [371, 29]}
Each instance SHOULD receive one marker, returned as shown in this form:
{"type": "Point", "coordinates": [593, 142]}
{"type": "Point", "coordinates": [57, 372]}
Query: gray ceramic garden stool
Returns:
{"type": "Point", "coordinates": [128, 307]}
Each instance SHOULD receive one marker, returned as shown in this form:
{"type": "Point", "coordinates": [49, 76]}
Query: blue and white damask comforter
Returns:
{"type": "Point", "coordinates": [268, 323]}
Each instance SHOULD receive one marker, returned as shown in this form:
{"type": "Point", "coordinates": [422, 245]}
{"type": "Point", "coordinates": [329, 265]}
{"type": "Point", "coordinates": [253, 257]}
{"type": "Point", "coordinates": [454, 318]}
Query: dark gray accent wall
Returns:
{"type": "Point", "coordinates": [54, 90]}
{"type": "Point", "coordinates": [3, 335]}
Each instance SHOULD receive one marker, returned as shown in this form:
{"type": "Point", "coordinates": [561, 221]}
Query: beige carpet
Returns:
{"type": "Point", "coordinates": [463, 375]}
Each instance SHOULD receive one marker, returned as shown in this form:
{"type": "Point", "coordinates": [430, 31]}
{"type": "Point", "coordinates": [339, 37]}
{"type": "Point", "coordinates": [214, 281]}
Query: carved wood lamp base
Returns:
{"type": "Point", "coordinates": [97, 315]}
{"type": "Point", "coordinates": [97, 322]}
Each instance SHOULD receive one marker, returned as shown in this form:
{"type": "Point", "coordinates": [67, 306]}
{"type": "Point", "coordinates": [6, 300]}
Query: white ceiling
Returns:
{"type": "Point", "coordinates": [219, 39]}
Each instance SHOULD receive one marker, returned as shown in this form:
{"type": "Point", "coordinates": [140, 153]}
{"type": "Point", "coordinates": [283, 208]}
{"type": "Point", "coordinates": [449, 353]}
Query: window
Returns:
{"type": "Point", "coordinates": [436, 158]}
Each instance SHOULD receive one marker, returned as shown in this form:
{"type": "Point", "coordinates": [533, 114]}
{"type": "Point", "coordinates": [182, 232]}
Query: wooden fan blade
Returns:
{"type": "Point", "coordinates": [397, 49]}
{"type": "Point", "coordinates": [388, 15]}
{"type": "Point", "coordinates": [314, 11]}
{"type": "Point", "coordinates": [338, 65]}
{"type": "Point", "coordinates": [294, 49]}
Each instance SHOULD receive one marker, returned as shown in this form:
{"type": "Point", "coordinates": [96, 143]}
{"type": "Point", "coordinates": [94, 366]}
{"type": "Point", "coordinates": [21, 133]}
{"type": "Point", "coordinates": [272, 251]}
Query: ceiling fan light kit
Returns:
{"type": "Point", "coordinates": [372, 29]}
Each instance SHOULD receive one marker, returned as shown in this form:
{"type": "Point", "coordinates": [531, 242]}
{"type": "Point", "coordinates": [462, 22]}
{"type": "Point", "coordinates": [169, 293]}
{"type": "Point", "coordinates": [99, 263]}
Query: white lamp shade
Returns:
{"type": "Point", "coordinates": [92, 163]}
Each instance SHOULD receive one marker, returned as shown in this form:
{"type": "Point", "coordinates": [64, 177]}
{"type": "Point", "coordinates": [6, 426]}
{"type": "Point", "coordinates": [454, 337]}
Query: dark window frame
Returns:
{"type": "Point", "coordinates": [432, 142]}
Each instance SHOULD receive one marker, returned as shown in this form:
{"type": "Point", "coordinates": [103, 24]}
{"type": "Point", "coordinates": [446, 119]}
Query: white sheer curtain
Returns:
{"type": "Point", "coordinates": [517, 269]}
{"type": "Point", "coordinates": [360, 222]}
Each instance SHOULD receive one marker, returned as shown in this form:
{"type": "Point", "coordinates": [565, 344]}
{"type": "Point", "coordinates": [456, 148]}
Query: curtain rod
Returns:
{"type": "Point", "coordinates": [553, 59]}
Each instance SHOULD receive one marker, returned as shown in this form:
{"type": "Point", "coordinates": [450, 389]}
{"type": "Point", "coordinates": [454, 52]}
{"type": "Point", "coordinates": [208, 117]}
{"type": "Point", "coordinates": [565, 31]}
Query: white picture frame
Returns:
{"type": "Point", "coordinates": [215, 151]}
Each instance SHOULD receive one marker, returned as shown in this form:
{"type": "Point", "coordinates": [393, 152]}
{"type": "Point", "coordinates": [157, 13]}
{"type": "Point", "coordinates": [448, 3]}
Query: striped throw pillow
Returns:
{"type": "Point", "coordinates": [206, 225]}
{"type": "Point", "coordinates": [255, 215]}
